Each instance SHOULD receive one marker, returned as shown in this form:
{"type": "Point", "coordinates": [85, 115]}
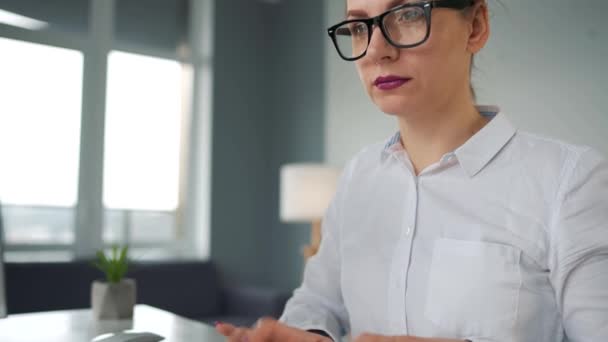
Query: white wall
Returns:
{"type": "Point", "coordinates": [546, 66]}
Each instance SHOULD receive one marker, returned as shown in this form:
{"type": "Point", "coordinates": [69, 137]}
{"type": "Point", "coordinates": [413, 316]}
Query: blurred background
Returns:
{"type": "Point", "coordinates": [163, 124]}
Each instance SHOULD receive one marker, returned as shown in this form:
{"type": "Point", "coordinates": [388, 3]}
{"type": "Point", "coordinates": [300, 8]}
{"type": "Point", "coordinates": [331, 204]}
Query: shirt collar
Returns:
{"type": "Point", "coordinates": [392, 142]}
{"type": "Point", "coordinates": [477, 152]}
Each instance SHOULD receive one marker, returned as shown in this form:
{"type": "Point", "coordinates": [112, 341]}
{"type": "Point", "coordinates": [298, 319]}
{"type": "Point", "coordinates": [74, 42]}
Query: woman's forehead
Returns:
{"type": "Point", "coordinates": [373, 7]}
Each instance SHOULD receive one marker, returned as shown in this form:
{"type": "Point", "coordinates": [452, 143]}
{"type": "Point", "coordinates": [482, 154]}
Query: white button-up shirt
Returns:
{"type": "Point", "coordinates": [503, 239]}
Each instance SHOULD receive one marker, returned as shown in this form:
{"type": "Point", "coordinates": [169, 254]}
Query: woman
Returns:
{"type": "Point", "coordinates": [459, 227]}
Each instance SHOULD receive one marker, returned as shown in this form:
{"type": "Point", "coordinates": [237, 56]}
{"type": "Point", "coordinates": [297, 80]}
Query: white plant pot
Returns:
{"type": "Point", "coordinates": [113, 301]}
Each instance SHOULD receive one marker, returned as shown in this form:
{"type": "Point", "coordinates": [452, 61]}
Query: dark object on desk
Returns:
{"type": "Point", "coordinates": [129, 337]}
{"type": "Point", "coordinates": [190, 289]}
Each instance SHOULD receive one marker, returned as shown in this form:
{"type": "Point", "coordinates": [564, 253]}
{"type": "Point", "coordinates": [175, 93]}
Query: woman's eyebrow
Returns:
{"type": "Point", "coordinates": [358, 13]}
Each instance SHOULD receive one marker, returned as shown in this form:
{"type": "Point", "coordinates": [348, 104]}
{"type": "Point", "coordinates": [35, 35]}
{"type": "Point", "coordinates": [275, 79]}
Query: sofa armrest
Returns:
{"type": "Point", "coordinates": [253, 301]}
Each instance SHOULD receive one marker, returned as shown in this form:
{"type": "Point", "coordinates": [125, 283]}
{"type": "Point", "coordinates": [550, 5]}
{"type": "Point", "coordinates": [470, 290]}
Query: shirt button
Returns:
{"type": "Point", "coordinates": [408, 230]}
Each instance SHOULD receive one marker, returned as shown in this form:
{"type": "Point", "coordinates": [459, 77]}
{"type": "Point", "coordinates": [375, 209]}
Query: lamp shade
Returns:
{"type": "Point", "coordinates": [306, 190]}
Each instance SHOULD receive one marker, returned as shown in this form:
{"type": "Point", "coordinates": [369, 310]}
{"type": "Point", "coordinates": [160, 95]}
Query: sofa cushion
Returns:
{"type": "Point", "coordinates": [48, 286]}
{"type": "Point", "coordinates": [187, 288]}
{"type": "Point", "coordinates": [253, 301]}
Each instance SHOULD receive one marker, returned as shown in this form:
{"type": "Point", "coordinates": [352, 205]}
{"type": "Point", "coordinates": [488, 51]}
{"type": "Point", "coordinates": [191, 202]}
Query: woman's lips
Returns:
{"type": "Point", "coordinates": [390, 82]}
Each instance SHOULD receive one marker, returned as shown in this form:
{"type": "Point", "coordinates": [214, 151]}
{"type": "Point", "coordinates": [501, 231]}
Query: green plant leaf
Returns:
{"type": "Point", "coordinates": [114, 252]}
{"type": "Point", "coordinates": [103, 264]}
{"type": "Point", "coordinates": [115, 266]}
{"type": "Point", "coordinates": [123, 263]}
{"type": "Point", "coordinates": [101, 257]}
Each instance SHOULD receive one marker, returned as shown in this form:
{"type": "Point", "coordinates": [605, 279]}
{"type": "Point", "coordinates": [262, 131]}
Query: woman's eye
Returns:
{"type": "Point", "coordinates": [359, 29]}
{"type": "Point", "coordinates": [410, 15]}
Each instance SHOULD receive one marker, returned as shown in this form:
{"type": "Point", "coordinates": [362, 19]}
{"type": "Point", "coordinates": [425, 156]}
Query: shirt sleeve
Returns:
{"type": "Point", "coordinates": [579, 249]}
{"type": "Point", "coordinates": [317, 304]}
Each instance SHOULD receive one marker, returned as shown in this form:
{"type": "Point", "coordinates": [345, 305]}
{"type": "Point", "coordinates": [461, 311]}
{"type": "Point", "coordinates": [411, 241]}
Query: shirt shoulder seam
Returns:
{"type": "Point", "coordinates": [570, 164]}
{"type": "Point", "coordinates": [563, 144]}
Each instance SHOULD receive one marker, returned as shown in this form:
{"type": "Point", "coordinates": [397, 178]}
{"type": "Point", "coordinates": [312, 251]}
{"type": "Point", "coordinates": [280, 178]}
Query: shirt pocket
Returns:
{"type": "Point", "coordinates": [473, 288]}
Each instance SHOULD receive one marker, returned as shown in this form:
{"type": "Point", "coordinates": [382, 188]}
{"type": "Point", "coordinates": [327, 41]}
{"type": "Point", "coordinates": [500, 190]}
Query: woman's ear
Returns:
{"type": "Point", "coordinates": [479, 26]}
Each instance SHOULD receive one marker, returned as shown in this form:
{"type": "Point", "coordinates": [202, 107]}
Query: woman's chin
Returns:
{"type": "Point", "coordinates": [394, 107]}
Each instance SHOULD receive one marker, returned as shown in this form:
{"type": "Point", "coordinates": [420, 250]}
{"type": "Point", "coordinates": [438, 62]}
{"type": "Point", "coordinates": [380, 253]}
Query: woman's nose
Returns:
{"type": "Point", "coordinates": [379, 48]}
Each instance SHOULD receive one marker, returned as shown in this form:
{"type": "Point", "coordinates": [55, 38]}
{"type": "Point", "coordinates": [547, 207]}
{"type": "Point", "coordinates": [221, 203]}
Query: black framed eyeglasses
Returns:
{"type": "Point", "coordinates": [404, 26]}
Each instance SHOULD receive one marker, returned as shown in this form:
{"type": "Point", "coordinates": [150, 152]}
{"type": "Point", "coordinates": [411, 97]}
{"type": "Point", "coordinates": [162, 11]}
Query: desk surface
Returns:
{"type": "Point", "coordinates": [80, 326]}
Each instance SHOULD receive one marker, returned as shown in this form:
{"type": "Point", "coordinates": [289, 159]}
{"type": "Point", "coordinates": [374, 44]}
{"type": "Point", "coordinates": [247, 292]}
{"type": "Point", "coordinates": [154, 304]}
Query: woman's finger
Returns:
{"type": "Point", "coordinates": [225, 329]}
{"type": "Point", "coordinates": [269, 330]}
{"type": "Point", "coordinates": [239, 335]}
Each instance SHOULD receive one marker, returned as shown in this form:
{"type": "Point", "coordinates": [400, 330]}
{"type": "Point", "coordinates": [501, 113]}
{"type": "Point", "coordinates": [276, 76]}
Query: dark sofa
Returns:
{"type": "Point", "coordinates": [188, 288]}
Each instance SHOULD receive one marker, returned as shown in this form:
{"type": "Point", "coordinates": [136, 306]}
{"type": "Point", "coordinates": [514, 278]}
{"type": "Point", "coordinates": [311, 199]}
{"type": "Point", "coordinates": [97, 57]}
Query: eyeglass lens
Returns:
{"type": "Point", "coordinates": [403, 27]}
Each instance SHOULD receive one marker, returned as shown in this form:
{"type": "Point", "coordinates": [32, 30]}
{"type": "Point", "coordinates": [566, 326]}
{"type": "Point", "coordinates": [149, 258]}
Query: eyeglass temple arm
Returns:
{"type": "Point", "coordinates": [455, 4]}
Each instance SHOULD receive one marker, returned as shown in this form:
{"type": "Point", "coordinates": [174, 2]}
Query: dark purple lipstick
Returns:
{"type": "Point", "coordinates": [390, 82]}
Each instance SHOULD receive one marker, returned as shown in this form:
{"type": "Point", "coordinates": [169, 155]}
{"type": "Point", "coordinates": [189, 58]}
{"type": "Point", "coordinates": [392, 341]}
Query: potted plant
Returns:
{"type": "Point", "coordinates": [113, 298]}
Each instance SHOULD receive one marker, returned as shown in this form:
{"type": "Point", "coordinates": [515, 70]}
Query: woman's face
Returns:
{"type": "Point", "coordinates": [437, 72]}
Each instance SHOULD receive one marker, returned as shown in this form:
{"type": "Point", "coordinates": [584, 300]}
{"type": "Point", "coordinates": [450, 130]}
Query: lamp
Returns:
{"type": "Point", "coordinates": [306, 190]}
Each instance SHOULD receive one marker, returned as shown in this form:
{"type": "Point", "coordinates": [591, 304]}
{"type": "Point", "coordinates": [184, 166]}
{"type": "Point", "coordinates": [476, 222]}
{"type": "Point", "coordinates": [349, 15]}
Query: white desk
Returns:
{"type": "Point", "coordinates": [79, 326]}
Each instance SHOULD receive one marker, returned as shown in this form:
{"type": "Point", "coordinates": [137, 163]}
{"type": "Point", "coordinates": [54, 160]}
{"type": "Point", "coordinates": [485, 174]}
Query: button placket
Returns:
{"type": "Point", "coordinates": [407, 240]}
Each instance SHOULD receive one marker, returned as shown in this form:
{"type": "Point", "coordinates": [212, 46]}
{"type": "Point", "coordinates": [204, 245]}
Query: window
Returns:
{"type": "Point", "coordinates": [40, 100]}
{"type": "Point", "coordinates": [142, 147]}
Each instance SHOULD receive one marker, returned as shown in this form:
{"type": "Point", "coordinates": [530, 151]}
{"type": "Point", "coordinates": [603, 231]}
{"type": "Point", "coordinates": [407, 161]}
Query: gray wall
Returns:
{"type": "Point", "coordinates": [242, 131]}
{"type": "Point", "coordinates": [298, 121]}
{"type": "Point", "coordinates": [545, 66]}
{"type": "Point", "coordinates": [268, 110]}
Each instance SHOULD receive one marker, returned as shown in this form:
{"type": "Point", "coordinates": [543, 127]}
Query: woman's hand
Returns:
{"type": "Point", "coordinates": [268, 330]}
{"type": "Point", "coordinates": [232, 333]}
{"type": "Point", "coordinates": [380, 338]}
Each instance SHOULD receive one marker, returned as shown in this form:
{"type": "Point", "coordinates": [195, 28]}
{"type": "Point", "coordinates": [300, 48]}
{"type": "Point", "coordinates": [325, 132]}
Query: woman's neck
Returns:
{"type": "Point", "coordinates": [428, 136]}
